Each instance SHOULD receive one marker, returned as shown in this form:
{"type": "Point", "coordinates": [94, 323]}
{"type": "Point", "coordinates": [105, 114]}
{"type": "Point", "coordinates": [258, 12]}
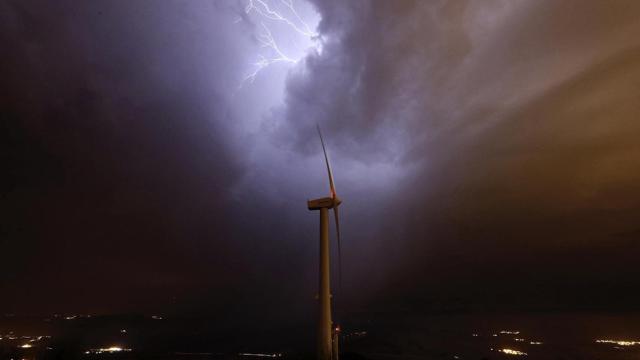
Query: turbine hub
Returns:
{"type": "Point", "coordinates": [336, 201]}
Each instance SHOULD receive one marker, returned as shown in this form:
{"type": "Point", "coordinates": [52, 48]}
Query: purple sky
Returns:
{"type": "Point", "coordinates": [486, 152]}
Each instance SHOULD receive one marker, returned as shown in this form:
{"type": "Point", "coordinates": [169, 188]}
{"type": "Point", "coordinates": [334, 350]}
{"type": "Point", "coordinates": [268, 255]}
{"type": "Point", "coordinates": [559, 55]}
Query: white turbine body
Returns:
{"type": "Point", "coordinates": [327, 334]}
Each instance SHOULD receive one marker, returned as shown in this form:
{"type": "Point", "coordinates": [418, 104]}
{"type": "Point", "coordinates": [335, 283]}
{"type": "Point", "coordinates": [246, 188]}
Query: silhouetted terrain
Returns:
{"type": "Point", "coordinates": [372, 336]}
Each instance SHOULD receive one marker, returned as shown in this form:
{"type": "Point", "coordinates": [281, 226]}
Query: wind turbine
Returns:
{"type": "Point", "coordinates": [327, 335]}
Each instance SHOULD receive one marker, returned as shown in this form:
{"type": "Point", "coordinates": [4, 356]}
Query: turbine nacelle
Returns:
{"type": "Point", "coordinates": [326, 202]}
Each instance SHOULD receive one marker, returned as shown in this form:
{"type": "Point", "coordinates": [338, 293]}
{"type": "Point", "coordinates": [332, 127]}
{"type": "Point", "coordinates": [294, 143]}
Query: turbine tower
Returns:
{"type": "Point", "coordinates": [327, 335]}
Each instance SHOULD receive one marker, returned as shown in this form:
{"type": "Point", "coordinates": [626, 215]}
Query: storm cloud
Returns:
{"type": "Point", "coordinates": [512, 125]}
{"type": "Point", "coordinates": [475, 144]}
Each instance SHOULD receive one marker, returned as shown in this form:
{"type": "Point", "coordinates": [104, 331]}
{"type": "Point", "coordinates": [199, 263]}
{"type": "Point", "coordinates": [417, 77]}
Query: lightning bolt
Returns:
{"type": "Point", "coordinates": [267, 40]}
{"type": "Point", "coordinates": [273, 53]}
{"type": "Point", "coordinates": [264, 10]}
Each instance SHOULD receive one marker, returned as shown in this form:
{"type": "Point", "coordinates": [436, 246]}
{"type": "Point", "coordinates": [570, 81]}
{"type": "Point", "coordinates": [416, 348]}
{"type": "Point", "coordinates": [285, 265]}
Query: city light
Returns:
{"type": "Point", "coordinates": [110, 350]}
{"type": "Point", "coordinates": [512, 352]}
{"type": "Point", "coordinates": [261, 355]}
{"type": "Point", "coordinates": [619, 342]}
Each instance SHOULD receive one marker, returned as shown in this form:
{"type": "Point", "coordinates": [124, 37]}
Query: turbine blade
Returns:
{"type": "Point", "coordinates": [332, 187]}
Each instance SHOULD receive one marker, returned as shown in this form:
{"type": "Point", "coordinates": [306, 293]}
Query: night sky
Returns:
{"type": "Point", "coordinates": [487, 153]}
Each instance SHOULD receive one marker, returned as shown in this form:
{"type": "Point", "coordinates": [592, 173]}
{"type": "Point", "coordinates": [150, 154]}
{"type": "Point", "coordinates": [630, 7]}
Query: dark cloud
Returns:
{"type": "Point", "coordinates": [513, 127]}
{"type": "Point", "coordinates": [118, 175]}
